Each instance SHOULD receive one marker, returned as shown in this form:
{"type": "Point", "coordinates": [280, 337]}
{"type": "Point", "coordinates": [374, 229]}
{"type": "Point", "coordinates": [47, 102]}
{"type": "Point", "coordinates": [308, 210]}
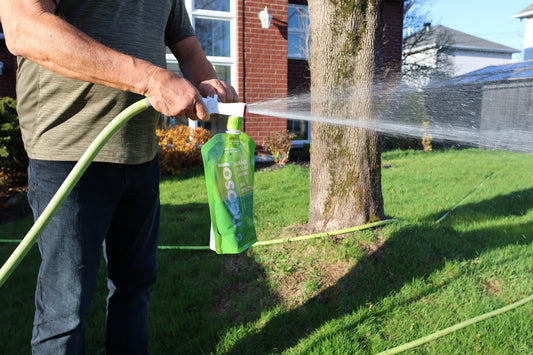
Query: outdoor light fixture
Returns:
{"type": "Point", "coordinates": [265, 18]}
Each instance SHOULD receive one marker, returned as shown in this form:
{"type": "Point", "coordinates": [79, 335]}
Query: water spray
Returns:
{"type": "Point", "coordinates": [395, 118]}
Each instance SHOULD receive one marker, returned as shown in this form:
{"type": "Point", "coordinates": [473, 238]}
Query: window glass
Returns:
{"type": "Point", "coordinates": [300, 128]}
{"type": "Point", "coordinates": [216, 5]}
{"type": "Point", "coordinates": [297, 45]}
{"type": "Point", "coordinates": [298, 29]}
{"type": "Point", "coordinates": [223, 72]}
{"type": "Point", "coordinates": [298, 17]}
{"type": "Point", "coordinates": [214, 36]}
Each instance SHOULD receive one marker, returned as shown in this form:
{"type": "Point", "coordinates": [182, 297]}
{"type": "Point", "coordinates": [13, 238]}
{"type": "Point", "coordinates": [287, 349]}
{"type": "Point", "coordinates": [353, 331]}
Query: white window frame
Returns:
{"type": "Point", "coordinates": [217, 15]}
{"type": "Point", "coordinates": [215, 60]}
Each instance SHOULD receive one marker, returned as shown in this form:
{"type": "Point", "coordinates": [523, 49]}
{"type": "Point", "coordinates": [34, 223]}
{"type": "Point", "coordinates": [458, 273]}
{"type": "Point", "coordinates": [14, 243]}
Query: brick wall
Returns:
{"type": "Point", "coordinates": [392, 38]}
{"type": "Point", "coordinates": [262, 62]}
{"type": "Point", "coordinates": [8, 78]}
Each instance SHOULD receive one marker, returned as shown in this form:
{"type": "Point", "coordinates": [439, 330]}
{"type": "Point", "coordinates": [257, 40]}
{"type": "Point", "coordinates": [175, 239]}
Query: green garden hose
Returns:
{"type": "Point", "coordinates": [64, 190]}
{"type": "Point", "coordinates": [466, 323]}
{"type": "Point", "coordinates": [289, 239]}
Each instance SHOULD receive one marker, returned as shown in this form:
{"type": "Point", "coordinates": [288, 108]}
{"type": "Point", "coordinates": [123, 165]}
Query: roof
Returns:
{"type": "Point", "coordinates": [493, 73]}
{"type": "Point", "coordinates": [526, 13]}
{"type": "Point", "coordinates": [442, 36]}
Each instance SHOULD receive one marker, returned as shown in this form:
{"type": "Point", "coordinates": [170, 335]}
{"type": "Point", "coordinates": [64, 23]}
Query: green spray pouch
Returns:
{"type": "Point", "coordinates": [229, 166]}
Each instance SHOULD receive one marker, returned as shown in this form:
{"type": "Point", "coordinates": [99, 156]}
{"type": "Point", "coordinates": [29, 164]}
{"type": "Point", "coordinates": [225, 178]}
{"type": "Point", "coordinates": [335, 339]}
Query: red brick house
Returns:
{"type": "Point", "coordinates": [261, 63]}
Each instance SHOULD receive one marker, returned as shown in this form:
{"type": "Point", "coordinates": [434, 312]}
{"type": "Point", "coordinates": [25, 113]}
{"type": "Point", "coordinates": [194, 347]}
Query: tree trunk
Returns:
{"type": "Point", "coordinates": [346, 41]}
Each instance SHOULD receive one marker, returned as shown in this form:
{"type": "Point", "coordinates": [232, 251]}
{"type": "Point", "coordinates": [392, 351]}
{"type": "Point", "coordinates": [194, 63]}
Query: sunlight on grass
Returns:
{"type": "Point", "coordinates": [359, 293]}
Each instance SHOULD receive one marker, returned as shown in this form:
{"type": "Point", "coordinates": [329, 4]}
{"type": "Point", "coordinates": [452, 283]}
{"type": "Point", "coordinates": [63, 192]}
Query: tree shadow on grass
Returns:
{"type": "Point", "coordinates": [199, 295]}
{"type": "Point", "coordinates": [404, 257]}
{"type": "Point", "coordinates": [514, 204]}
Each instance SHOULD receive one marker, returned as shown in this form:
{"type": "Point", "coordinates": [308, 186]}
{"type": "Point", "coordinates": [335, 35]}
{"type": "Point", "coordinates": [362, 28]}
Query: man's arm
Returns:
{"type": "Point", "coordinates": [33, 31]}
{"type": "Point", "coordinates": [200, 71]}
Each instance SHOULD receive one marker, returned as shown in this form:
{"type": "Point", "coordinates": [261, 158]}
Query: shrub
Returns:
{"type": "Point", "coordinates": [279, 144]}
{"type": "Point", "coordinates": [179, 148]}
{"type": "Point", "coordinates": [13, 157]}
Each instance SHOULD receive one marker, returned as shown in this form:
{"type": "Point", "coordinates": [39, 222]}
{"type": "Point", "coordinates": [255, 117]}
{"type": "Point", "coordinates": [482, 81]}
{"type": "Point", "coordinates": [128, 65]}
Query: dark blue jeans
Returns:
{"type": "Point", "coordinates": [114, 206]}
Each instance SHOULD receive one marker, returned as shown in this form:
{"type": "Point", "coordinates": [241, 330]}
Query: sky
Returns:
{"type": "Point", "coordinates": [487, 19]}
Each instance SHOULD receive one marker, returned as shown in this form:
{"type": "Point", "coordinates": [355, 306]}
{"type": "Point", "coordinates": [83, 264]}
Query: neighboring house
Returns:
{"type": "Point", "coordinates": [526, 15]}
{"type": "Point", "coordinates": [496, 100]}
{"type": "Point", "coordinates": [261, 63]}
{"type": "Point", "coordinates": [437, 53]}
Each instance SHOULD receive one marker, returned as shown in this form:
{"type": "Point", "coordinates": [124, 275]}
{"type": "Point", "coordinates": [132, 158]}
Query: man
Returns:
{"type": "Point", "coordinates": [81, 62]}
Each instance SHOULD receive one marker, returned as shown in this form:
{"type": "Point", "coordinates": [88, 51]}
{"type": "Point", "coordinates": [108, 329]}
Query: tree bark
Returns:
{"type": "Point", "coordinates": [346, 42]}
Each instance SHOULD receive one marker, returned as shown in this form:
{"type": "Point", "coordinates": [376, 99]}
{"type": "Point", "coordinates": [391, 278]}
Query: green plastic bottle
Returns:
{"type": "Point", "coordinates": [229, 166]}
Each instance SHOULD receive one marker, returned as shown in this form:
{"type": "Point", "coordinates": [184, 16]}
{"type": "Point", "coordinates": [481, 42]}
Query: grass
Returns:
{"type": "Point", "coordinates": [355, 294]}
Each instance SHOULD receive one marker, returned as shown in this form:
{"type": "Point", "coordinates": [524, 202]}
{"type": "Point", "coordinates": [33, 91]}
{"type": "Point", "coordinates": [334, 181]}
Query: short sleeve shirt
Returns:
{"type": "Point", "coordinates": [60, 117]}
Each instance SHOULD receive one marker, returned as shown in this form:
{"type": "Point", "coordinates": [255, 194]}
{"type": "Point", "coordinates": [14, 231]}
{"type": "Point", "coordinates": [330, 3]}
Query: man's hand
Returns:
{"type": "Point", "coordinates": [173, 95]}
{"type": "Point", "coordinates": [212, 87]}
{"type": "Point", "coordinates": [200, 71]}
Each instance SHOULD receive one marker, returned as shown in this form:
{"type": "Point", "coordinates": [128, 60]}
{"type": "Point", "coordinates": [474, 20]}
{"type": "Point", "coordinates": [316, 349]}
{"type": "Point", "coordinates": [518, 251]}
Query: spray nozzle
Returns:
{"type": "Point", "coordinates": [228, 109]}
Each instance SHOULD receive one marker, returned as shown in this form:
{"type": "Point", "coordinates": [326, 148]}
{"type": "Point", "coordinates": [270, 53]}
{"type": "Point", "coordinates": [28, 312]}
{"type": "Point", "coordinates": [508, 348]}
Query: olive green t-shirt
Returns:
{"type": "Point", "coordinates": [60, 117]}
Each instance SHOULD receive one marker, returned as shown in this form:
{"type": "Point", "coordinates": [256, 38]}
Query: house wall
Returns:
{"type": "Point", "coordinates": [262, 62]}
{"type": "Point", "coordinates": [466, 61]}
{"type": "Point", "coordinates": [528, 39]}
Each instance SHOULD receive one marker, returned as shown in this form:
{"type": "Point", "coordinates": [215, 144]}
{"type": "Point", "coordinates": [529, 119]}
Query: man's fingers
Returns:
{"type": "Point", "coordinates": [201, 111]}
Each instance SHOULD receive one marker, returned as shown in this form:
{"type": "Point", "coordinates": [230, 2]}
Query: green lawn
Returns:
{"type": "Point", "coordinates": [360, 293]}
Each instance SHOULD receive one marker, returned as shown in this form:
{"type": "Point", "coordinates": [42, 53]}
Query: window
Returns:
{"type": "Point", "coordinates": [214, 36]}
{"type": "Point", "coordinates": [298, 49]}
{"type": "Point", "coordinates": [216, 5]}
{"type": "Point", "coordinates": [215, 26]}
{"type": "Point", "coordinates": [298, 32]}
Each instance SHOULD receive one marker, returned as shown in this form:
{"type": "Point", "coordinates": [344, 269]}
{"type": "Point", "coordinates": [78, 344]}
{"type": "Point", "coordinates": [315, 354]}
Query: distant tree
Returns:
{"type": "Point", "coordinates": [346, 48]}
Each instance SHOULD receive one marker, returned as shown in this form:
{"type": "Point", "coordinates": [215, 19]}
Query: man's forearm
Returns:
{"type": "Point", "coordinates": [193, 62]}
{"type": "Point", "coordinates": [33, 31]}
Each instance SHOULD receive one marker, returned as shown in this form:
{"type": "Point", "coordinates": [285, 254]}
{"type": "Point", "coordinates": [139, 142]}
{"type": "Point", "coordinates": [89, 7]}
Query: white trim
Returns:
{"type": "Point", "coordinates": [453, 46]}
{"type": "Point", "coordinates": [523, 15]}
{"type": "Point", "coordinates": [214, 15]}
